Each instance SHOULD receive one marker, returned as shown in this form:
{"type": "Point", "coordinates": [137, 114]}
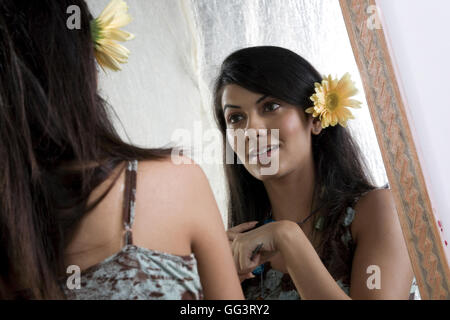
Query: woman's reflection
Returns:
{"type": "Point", "coordinates": [333, 233]}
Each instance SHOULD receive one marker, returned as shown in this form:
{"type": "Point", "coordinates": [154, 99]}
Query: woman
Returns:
{"type": "Point", "coordinates": [315, 247]}
{"type": "Point", "coordinates": [74, 196]}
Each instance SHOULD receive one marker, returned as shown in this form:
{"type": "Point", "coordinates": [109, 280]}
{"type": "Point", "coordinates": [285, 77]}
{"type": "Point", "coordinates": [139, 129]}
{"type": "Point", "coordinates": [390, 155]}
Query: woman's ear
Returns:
{"type": "Point", "coordinates": [316, 126]}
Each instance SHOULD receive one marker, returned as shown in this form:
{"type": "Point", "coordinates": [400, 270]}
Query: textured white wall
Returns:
{"type": "Point", "coordinates": [418, 35]}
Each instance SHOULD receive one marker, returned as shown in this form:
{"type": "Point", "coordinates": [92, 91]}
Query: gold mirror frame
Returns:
{"type": "Point", "coordinates": [387, 110]}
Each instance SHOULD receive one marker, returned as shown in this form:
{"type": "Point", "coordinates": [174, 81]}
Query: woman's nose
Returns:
{"type": "Point", "coordinates": [256, 133]}
{"type": "Point", "coordinates": [256, 125]}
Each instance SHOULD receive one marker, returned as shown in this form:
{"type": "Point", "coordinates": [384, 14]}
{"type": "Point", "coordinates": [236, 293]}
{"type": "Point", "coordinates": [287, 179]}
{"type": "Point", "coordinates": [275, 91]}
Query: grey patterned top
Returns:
{"type": "Point", "coordinates": [136, 272]}
{"type": "Point", "coordinates": [272, 284]}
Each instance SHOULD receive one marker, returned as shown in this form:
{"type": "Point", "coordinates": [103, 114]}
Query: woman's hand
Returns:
{"type": "Point", "coordinates": [235, 231]}
{"type": "Point", "coordinates": [245, 247]}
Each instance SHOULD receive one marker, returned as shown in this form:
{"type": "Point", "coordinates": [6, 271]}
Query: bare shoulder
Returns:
{"type": "Point", "coordinates": [169, 202]}
{"type": "Point", "coordinates": [374, 211]}
{"type": "Point", "coordinates": [176, 176]}
{"type": "Point", "coordinates": [181, 216]}
{"type": "Point", "coordinates": [174, 185]}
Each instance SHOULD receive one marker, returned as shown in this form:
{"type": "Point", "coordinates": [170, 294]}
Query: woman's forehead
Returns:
{"type": "Point", "coordinates": [234, 94]}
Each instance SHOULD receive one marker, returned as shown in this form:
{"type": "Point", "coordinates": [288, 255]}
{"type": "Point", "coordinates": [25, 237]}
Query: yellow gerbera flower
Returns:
{"type": "Point", "coordinates": [105, 30]}
{"type": "Point", "coordinates": [331, 100]}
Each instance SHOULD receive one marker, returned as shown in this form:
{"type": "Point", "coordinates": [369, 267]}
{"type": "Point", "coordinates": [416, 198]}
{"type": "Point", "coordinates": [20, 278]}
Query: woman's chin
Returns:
{"type": "Point", "coordinates": [266, 166]}
{"type": "Point", "coordinates": [265, 172]}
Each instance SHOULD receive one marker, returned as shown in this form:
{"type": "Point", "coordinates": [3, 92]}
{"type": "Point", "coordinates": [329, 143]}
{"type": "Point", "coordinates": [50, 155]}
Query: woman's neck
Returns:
{"type": "Point", "coordinates": [290, 195]}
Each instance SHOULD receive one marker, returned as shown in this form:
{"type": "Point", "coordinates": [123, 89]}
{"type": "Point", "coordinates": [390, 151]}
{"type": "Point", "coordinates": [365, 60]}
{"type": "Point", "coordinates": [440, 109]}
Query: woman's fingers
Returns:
{"type": "Point", "coordinates": [237, 249]}
{"type": "Point", "coordinates": [253, 248]}
{"type": "Point", "coordinates": [233, 232]}
{"type": "Point", "coordinates": [235, 256]}
{"type": "Point", "coordinates": [246, 276]}
{"type": "Point", "coordinates": [242, 227]}
{"type": "Point", "coordinates": [231, 235]}
{"type": "Point", "coordinates": [242, 255]}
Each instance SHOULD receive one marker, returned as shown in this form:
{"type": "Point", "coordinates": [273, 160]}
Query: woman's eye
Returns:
{"type": "Point", "coordinates": [234, 118]}
{"type": "Point", "coordinates": [271, 106]}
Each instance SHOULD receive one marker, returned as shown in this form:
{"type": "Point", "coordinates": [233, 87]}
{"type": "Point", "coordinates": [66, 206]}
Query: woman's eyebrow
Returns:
{"type": "Point", "coordinates": [237, 107]}
{"type": "Point", "coordinates": [261, 99]}
{"type": "Point", "coordinates": [230, 106]}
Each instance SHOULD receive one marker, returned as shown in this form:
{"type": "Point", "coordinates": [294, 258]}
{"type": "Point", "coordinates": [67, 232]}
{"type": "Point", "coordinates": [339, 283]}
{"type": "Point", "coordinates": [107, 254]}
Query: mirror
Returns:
{"type": "Point", "coordinates": [184, 42]}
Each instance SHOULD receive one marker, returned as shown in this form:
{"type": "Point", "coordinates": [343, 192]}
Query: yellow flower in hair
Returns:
{"type": "Point", "coordinates": [331, 100]}
{"type": "Point", "coordinates": [105, 31]}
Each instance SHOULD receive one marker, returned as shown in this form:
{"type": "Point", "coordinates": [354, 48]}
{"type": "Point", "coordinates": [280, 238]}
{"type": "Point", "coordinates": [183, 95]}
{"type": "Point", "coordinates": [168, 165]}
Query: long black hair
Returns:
{"type": "Point", "coordinates": [57, 141]}
{"type": "Point", "coordinates": [341, 174]}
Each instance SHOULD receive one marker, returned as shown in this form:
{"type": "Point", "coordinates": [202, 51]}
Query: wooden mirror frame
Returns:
{"type": "Point", "coordinates": [387, 110]}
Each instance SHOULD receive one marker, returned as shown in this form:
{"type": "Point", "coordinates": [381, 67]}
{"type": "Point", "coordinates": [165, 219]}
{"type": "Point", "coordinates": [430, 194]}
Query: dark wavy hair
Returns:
{"type": "Point", "coordinates": [341, 174]}
{"type": "Point", "coordinates": [57, 141]}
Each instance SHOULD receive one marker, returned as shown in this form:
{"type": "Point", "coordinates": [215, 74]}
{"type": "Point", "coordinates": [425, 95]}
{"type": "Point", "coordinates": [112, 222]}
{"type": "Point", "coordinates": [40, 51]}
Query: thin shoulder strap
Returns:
{"type": "Point", "coordinates": [129, 200]}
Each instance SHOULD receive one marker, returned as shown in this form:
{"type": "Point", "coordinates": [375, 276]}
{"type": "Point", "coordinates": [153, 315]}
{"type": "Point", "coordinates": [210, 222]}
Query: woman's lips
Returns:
{"type": "Point", "coordinates": [265, 152]}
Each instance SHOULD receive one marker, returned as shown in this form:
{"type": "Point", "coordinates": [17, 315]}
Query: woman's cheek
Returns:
{"type": "Point", "coordinates": [290, 125]}
{"type": "Point", "coordinates": [293, 135]}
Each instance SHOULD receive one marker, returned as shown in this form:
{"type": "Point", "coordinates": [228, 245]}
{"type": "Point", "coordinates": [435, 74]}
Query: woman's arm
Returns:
{"type": "Point", "coordinates": [209, 242]}
{"type": "Point", "coordinates": [311, 278]}
{"type": "Point", "coordinates": [176, 212]}
{"type": "Point", "coordinates": [379, 242]}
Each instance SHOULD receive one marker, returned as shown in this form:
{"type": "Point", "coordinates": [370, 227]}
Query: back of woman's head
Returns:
{"type": "Point", "coordinates": [50, 116]}
{"type": "Point", "coordinates": [340, 171]}
{"type": "Point", "coordinates": [48, 80]}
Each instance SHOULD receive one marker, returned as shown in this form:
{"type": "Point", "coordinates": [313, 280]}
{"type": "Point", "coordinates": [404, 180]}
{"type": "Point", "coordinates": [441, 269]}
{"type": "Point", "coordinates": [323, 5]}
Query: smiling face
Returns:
{"type": "Point", "coordinates": [244, 109]}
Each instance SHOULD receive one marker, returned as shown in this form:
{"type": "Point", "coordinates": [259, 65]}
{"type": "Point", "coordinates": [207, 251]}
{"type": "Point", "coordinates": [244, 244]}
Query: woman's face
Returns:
{"type": "Point", "coordinates": [289, 151]}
